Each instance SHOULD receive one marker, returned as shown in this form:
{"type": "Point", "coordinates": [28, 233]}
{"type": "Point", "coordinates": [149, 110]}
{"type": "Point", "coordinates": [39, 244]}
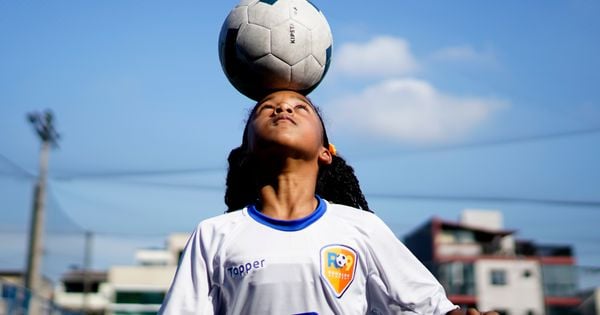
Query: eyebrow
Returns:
{"type": "Point", "coordinates": [303, 99]}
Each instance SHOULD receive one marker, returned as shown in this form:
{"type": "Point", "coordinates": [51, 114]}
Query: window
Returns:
{"type": "Point", "coordinates": [78, 287]}
{"type": "Point", "coordinates": [133, 297]}
{"type": "Point", "coordinates": [559, 280]}
{"type": "Point", "coordinates": [498, 277]}
{"type": "Point", "coordinates": [457, 278]}
{"type": "Point", "coordinates": [562, 310]}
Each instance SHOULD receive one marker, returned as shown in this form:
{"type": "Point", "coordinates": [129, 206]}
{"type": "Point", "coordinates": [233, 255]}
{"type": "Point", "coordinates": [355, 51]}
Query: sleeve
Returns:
{"type": "Point", "coordinates": [190, 290]}
{"type": "Point", "coordinates": [397, 282]}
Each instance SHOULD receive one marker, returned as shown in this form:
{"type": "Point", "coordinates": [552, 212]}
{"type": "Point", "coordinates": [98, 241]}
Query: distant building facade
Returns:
{"type": "Point", "coordinates": [14, 297]}
{"type": "Point", "coordinates": [481, 265]}
{"type": "Point", "coordinates": [83, 291]}
{"type": "Point", "coordinates": [124, 290]}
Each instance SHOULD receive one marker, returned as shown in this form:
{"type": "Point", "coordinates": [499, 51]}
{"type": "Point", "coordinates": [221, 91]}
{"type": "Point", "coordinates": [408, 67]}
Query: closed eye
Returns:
{"type": "Point", "coordinates": [265, 107]}
{"type": "Point", "coordinates": [301, 106]}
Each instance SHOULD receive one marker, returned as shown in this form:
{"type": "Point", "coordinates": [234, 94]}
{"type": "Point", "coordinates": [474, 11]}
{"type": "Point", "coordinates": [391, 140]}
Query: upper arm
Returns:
{"type": "Point", "coordinates": [397, 281]}
{"type": "Point", "coordinates": [189, 291]}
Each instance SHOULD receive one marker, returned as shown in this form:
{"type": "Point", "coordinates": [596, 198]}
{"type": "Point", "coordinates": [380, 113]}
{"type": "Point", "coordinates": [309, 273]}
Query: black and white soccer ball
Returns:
{"type": "Point", "coordinates": [269, 45]}
{"type": "Point", "coordinates": [341, 260]}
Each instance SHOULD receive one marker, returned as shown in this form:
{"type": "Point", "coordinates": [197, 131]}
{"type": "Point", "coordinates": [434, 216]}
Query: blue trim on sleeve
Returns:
{"type": "Point", "coordinates": [288, 225]}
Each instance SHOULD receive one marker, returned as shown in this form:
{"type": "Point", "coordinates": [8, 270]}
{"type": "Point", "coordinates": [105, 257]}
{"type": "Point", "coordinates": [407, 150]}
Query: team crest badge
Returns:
{"type": "Point", "coordinates": [338, 264]}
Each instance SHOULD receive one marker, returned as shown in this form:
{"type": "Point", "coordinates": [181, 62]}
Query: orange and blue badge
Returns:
{"type": "Point", "coordinates": [338, 265]}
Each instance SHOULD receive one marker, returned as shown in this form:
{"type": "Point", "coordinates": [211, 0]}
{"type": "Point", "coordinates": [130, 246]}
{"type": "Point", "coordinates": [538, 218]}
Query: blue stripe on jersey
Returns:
{"type": "Point", "coordinates": [288, 225]}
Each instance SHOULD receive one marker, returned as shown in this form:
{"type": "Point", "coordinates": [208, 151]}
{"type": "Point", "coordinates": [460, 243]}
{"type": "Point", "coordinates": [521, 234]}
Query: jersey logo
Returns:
{"type": "Point", "coordinates": [338, 264]}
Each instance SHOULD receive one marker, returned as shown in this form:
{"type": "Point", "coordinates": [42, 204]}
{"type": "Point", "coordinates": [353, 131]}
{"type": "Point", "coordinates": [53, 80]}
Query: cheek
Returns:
{"type": "Point", "coordinates": [318, 133]}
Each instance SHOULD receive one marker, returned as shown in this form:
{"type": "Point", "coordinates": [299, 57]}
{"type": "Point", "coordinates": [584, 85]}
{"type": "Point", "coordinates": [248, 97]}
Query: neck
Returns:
{"type": "Point", "coordinates": [289, 193]}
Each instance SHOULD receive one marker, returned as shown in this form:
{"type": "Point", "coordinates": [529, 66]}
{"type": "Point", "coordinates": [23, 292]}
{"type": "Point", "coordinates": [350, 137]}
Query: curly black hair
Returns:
{"type": "Point", "coordinates": [336, 182]}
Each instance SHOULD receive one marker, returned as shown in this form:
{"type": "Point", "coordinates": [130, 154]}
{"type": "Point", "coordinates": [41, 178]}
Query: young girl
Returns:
{"type": "Point", "coordinates": [300, 243]}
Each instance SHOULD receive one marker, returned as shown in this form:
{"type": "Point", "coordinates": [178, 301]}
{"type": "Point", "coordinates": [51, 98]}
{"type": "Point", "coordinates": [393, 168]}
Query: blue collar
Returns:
{"type": "Point", "coordinates": [288, 225]}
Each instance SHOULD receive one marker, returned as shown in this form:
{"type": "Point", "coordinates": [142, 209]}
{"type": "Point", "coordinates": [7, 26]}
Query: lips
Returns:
{"type": "Point", "coordinates": [283, 118]}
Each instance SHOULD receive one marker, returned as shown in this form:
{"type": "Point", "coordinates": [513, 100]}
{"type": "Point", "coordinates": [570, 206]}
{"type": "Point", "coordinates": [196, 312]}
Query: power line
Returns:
{"type": "Point", "coordinates": [456, 198]}
{"type": "Point", "coordinates": [129, 235]}
{"type": "Point", "coordinates": [110, 174]}
{"type": "Point", "coordinates": [20, 170]}
{"type": "Point", "coordinates": [499, 199]}
{"type": "Point", "coordinates": [136, 173]}
{"type": "Point", "coordinates": [500, 142]}
{"type": "Point", "coordinates": [589, 269]}
{"type": "Point", "coordinates": [194, 187]}
{"type": "Point", "coordinates": [99, 202]}
{"type": "Point", "coordinates": [55, 205]}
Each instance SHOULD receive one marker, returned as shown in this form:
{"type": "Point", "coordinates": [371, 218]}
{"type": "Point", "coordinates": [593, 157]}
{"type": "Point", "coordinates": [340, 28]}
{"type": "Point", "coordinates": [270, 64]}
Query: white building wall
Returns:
{"type": "Point", "coordinates": [175, 245]}
{"type": "Point", "coordinates": [75, 301]}
{"type": "Point", "coordinates": [153, 257]}
{"type": "Point", "coordinates": [141, 276]}
{"type": "Point", "coordinates": [139, 279]}
{"type": "Point", "coordinates": [507, 246]}
{"type": "Point", "coordinates": [522, 293]}
{"type": "Point", "coordinates": [485, 219]}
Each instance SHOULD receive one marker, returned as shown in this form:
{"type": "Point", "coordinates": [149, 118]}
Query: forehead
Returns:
{"type": "Point", "coordinates": [283, 96]}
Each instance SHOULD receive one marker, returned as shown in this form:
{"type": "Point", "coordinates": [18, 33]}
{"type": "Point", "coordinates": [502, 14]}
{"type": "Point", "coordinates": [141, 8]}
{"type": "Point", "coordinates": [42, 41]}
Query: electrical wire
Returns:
{"type": "Point", "coordinates": [486, 143]}
{"type": "Point", "coordinates": [595, 205]}
{"type": "Point", "coordinates": [176, 186]}
{"type": "Point", "coordinates": [135, 173]}
{"type": "Point", "coordinates": [491, 143]}
{"type": "Point", "coordinates": [401, 196]}
{"type": "Point", "coordinates": [21, 172]}
{"type": "Point", "coordinates": [56, 208]}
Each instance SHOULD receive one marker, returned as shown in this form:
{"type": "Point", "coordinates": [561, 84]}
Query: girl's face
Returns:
{"type": "Point", "coordinates": [285, 121]}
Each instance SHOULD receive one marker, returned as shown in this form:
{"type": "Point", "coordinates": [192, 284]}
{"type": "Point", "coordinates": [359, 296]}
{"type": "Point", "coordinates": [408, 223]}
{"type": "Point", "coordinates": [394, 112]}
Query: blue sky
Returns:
{"type": "Point", "coordinates": [137, 86]}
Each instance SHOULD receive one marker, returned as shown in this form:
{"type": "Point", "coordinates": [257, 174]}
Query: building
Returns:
{"type": "Point", "coordinates": [140, 289]}
{"type": "Point", "coordinates": [480, 264]}
{"type": "Point", "coordinates": [83, 291]}
{"type": "Point", "coordinates": [124, 290]}
{"type": "Point", "coordinates": [14, 297]}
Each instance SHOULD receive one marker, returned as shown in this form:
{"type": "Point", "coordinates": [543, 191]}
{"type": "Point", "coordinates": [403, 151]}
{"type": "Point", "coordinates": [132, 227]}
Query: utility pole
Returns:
{"type": "Point", "coordinates": [87, 263]}
{"type": "Point", "coordinates": [43, 123]}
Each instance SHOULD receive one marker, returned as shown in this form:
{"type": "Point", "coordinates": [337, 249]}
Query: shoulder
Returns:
{"type": "Point", "coordinates": [358, 218]}
{"type": "Point", "coordinates": [221, 224]}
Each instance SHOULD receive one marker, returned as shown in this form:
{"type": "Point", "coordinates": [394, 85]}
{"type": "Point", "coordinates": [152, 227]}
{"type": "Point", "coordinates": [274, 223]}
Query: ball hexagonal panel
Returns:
{"type": "Point", "coordinates": [306, 74]}
{"type": "Point", "coordinates": [254, 41]}
{"type": "Point", "coordinates": [306, 14]}
{"type": "Point", "coordinates": [321, 42]}
{"type": "Point", "coordinates": [291, 42]}
{"type": "Point", "coordinates": [272, 72]}
{"type": "Point", "coordinates": [237, 17]}
{"type": "Point", "coordinates": [268, 15]}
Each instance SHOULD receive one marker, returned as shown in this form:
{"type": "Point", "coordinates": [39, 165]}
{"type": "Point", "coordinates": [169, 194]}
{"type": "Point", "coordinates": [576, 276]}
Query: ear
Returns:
{"type": "Point", "coordinates": [325, 157]}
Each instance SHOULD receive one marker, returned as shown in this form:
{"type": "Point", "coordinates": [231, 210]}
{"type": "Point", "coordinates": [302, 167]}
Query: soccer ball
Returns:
{"type": "Point", "coordinates": [268, 45]}
{"type": "Point", "coordinates": [340, 260]}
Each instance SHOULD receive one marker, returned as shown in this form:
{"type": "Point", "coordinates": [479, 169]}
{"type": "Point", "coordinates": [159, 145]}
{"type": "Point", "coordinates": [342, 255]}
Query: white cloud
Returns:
{"type": "Point", "coordinates": [413, 111]}
{"type": "Point", "coordinates": [381, 56]}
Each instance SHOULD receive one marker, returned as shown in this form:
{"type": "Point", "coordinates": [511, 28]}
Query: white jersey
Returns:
{"type": "Point", "coordinates": [338, 260]}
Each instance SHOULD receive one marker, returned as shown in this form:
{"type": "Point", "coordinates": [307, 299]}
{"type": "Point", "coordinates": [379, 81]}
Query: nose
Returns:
{"type": "Point", "coordinates": [284, 107]}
